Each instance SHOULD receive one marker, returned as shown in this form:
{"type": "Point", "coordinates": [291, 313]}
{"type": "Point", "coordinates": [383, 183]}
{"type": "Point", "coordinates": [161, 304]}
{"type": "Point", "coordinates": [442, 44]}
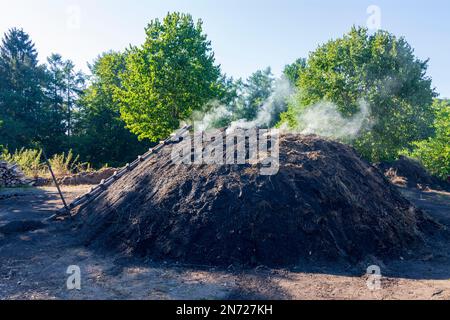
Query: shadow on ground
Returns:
{"type": "Point", "coordinates": [34, 265]}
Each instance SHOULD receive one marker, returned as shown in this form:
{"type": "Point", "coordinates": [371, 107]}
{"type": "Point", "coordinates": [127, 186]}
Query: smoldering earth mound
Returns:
{"type": "Point", "coordinates": [324, 204]}
{"type": "Point", "coordinates": [409, 172]}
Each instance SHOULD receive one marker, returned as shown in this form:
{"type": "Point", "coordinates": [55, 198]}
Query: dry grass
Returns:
{"type": "Point", "coordinates": [33, 166]}
{"type": "Point", "coordinates": [391, 174]}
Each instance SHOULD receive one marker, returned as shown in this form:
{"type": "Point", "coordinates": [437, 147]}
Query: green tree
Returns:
{"type": "Point", "coordinates": [294, 70]}
{"type": "Point", "coordinates": [256, 90]}
{"type": "Point", "coordinates": [221, 112]}
{"type": "Point", "coordinates": [434, 153]}
{"type": "Point", "coordinates": [55, 83]}
{"type": "Point", "coordinates": [239, 100]}
{"type": "Point", "coordinates": [22, 108]}
{"type": "Point", "coordinates": [167, 78]}
{"type": "Point", "coordinates": [62, 89]}
{"type": "Point", "coordinates": [229, 91]}
{"type": "Point", "coordinates": [381, 69]}
{"type": "Point", "coordinates": [100, 135]}
{"type": "Point", "coordinates": [74, 84]}
{"type": "Point", "coordinates": [55, 124]}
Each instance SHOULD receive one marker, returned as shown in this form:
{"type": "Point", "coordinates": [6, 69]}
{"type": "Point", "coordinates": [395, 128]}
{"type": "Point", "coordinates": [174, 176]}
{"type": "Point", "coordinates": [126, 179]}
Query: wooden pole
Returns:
{"type": "Point", "coordinates": [55, 181]}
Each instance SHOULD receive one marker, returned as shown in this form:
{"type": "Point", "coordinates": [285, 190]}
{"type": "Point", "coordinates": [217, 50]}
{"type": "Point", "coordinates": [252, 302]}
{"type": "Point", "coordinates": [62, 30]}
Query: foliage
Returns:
{"type": "Point", "coordinates": [148, 90]}
{"type": "Point", "coordinates": [65, 164]}
{"type": "Point", "coordinates": [32, 163]}
{"type": "Point", "coordinates": [239, 100]}
{"type": "Point", "coordinates": [36, 101]}
{"type": "Point", "coordinates": [381, 69]}
{"type": "Point", "coordinates": [56, 123]}
{"type": "Point", "coordinates": [22, 111]}
{"type": "Point", "coordinates": [294, 70]}
{"type": "Point", "coordinates": [29, 160]}
{"type": "Point", "coordinates": [74, 82]}
{"type": "Point", "coordinates": [256, 90]}
{"type": "Point", "coordinates": [168, 77]}
{"type": "Point", "coordinates": [63, 88]}
{"type": "Point", "coordinates": [434, 153]}
{"type": "Point", "coordinates": [100, 134]}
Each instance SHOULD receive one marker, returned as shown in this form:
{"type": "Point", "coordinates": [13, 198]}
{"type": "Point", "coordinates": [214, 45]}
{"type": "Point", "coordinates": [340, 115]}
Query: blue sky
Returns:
{"type": "Point", "coordinates": [246, 35]}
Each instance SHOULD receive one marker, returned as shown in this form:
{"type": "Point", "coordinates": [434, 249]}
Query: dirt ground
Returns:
{"type": "Point", "coordinates": [34, 264]}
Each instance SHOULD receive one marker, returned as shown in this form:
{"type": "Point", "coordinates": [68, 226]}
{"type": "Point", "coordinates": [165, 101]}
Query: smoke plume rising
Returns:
{"type": "Point", "coordinates": [271, 109]}
{"type": "Point", "coordinates": [324, 119]}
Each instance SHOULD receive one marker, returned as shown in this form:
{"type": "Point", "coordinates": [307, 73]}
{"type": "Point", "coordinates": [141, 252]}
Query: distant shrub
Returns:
{"type": "Point", "coordinates": [29, 160]}
{"type": "Point", "coordinates": [434, 153]}
{"type": "Point", "coordinates": [64, 164]}
{"type": "Point", "coordinates": [33, 164]}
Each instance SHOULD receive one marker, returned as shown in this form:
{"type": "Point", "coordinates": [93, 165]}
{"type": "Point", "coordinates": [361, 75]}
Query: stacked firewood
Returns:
{"type": "Point", "coordinates": [11, 176]}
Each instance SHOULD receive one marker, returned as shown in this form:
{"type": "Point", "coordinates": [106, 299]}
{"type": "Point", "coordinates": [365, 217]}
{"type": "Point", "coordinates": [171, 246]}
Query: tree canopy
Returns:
{"type": "Point", "coordinates": [145, 93]}
{"type": "Point", "coordinates": [294, 70]}
{"type": "Point", "coordinates": [434, 152]}
{"type": "Point", "coordinates": [36, 100]}
{"type": "Point", "coordinates": [256, 90]}
{"type": "Point", "coordinates": [380, 69]}
{"type": "Point", "coordinates": [172, 74]}
{"type": "Point", "coordinates": [100, 133]}
{"type": "Point", "coordinates": [21, 98]}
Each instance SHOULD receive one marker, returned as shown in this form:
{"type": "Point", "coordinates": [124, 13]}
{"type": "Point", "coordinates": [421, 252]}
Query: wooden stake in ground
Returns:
{"type": "Point", "coordinates": [55, 181]}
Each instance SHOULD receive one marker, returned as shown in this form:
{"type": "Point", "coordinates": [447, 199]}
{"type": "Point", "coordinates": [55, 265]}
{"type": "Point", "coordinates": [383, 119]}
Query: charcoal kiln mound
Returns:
{"type": "Point", "coordinates": [325, 203]}
{"type": "Point", "coordinates": [410, 173]}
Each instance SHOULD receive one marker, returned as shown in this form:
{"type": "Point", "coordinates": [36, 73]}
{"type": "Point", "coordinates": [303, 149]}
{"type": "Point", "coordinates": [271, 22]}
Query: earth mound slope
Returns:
{"type": "Point", "coordinates": [325, 203]}
{"type": "Point", "coordinates": [410, 173]}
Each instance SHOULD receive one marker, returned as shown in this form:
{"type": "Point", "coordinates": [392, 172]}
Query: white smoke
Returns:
{"type": "Point", "coordinates": [324, 119]}
{"type": "Point", "coordinates": [208, 120]}
{"type": "Point", "coordinates": [275, 104]}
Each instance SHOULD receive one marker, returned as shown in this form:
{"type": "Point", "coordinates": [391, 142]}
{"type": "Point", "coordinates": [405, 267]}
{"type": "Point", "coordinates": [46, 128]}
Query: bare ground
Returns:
{"type": "Point", "coordinates": [33, 265]}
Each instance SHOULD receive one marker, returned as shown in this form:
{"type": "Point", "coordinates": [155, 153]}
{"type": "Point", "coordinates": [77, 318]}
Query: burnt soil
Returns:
{"type": "Point", "coordinates": [326, 204]}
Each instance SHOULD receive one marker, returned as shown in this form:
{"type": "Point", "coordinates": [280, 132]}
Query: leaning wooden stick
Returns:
{"type": "Point", "coordinates": [55, 181]}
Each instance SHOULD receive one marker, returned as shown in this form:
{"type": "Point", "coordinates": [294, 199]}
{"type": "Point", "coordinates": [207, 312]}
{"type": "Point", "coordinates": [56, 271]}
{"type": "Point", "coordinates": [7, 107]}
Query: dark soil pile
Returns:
{"type": "Point", "coordinates": [83, 178]}
{"type": "Point", "coordinates": [409, 172]}
{"type": "Point", "coordinates": [325, 203]}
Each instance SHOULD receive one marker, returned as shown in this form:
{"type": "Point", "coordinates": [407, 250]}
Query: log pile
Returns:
{"type": "Point", "coordinates": [11, 176]}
